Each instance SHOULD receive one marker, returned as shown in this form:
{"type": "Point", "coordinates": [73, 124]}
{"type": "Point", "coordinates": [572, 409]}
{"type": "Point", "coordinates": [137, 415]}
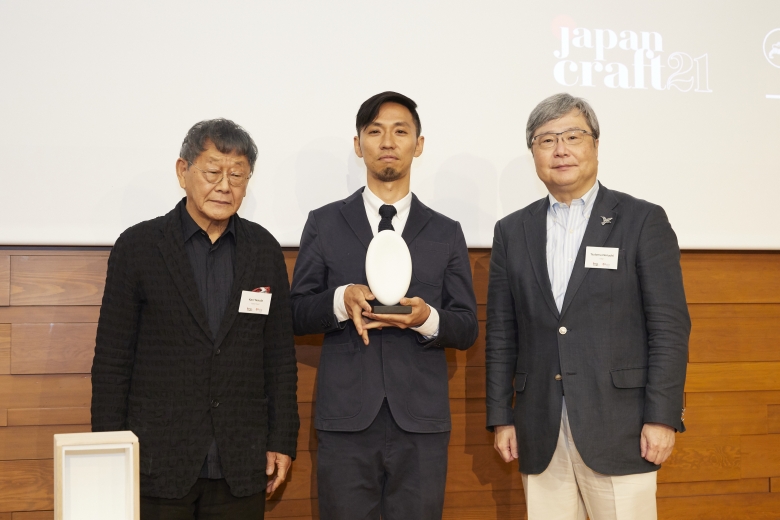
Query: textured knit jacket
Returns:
{"type": "Point", "coordinates": [158, 371]}
{"type": "Point", "coordinates": [617, 349]}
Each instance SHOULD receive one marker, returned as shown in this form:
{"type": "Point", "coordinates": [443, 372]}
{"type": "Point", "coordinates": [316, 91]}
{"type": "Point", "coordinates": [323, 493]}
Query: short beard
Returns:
{"type": "Point", "coordinates": [388, 175]}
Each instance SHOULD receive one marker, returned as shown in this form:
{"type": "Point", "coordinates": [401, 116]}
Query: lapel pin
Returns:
{"type": "Point", "coordinates": [605, 220]}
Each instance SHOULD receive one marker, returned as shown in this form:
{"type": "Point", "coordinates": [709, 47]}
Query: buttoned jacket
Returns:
{"type": "Point", "coordinates": [617, 349]}
{"type": "Point", "coordinates": [410, 371]}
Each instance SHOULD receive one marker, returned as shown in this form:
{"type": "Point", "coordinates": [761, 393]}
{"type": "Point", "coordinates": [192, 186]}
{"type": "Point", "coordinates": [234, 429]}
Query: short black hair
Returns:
{"type": "Point", "coordinates": [370, 109]}
{"type": "Point", "coordinates": [227, 137]}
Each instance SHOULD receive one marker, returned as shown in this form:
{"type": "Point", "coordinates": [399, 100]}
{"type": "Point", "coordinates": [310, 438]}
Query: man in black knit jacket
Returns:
{"type": "Point", "coordinates": [194, 350]}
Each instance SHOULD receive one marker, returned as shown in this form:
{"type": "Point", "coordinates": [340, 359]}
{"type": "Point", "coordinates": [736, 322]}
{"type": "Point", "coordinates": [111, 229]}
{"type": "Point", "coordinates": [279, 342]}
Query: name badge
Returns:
{"type": "Point", "coordinates": [601, 257]}
{"type": "Point", "coordinates": [254, 302]}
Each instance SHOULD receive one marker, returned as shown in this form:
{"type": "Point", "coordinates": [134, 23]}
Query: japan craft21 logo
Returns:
{"type": "Point", "coordinates": [772, 47]}
{"type": "Point", "coordinates": [625, 59]}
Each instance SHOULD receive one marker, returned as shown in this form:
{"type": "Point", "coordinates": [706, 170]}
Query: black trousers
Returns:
{"type": "Point", "coordinates": [381, 470]}
{"type": "Point", "coordinates": [208, 499]}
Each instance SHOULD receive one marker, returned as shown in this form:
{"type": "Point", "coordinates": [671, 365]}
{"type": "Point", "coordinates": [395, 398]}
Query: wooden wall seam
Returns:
{"type": "Point", "coordinates": [5, 279]}
{"type": "Point", "coordinates": [5, 348]}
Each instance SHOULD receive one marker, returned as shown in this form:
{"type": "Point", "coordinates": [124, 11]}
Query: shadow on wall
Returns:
{"type": "Point", "coordinates": [463, 186]}
{"type": "Point", "coordinates": [143, 195]}
{"type": "Point", "coordinates": [316, 175]}
{"type": "Point", "coordinates": [519, 185]}
{"type": "Point", "coordinates": [486, 464]}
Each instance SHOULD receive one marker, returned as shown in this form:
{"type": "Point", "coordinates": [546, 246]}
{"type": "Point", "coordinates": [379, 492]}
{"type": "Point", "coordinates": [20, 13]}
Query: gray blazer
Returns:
{"type": "Point", "coordinates": [619, 345]}
{"type": "Point", "coordinates": [353, 379]}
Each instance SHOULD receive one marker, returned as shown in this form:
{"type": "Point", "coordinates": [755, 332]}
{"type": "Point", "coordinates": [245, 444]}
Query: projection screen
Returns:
{"type": "Point", "coordinates": [97, 97]}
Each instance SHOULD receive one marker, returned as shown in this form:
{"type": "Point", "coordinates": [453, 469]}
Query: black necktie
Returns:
{"type": "Point", "coordinates": [387, 212]}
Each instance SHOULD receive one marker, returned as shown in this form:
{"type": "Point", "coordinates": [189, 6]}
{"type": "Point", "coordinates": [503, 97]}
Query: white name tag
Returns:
{"type": "Point", "coordinates": [254, 302]}
{"type": "Point", "coordinates": [601, 257]}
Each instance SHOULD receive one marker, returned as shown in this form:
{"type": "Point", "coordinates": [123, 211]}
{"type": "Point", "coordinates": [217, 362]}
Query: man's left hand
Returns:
{"type": "Point", "coordinates": [279, 462]}
{"type": "Point", "coordinates": [656, 442]}
{"type": "Point", "coordinates": [420, 313]}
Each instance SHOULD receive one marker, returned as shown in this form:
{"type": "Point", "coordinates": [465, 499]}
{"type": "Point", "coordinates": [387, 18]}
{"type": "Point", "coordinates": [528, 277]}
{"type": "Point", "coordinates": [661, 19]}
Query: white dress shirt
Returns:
{"type": "Point", "coordinates": [565, 228]}
{"type": "Point", "coordinates": [372, 203]}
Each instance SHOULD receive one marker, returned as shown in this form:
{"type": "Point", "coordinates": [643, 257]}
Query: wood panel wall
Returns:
{"type": "Point", "coordinates": [726, 466]}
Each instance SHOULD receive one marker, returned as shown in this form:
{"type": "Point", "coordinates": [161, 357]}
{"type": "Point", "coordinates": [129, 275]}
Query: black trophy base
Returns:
{"type": "Point", "coordinates": [391, 309]}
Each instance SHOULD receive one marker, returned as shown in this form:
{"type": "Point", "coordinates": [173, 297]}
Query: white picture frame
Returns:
{"type": "Point", "coordinates": [96, 476]}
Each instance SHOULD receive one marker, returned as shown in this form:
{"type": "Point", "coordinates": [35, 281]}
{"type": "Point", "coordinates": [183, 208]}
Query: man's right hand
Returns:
{"type": "Point", "coordinates": [356, 301]}
{"type": "Point", "coordinates": [506, 442]}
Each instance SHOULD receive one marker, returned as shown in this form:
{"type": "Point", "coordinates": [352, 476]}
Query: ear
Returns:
{"type": "Point", "coordinates": [418, 150]}
{"type": "Point", "coordinates": [356, 142]}
{"type": "Point", "coordinates": [181, 169]}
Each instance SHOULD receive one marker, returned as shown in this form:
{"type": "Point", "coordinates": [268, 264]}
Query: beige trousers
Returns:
{"type": "Point", "coordinates": [569, 490]}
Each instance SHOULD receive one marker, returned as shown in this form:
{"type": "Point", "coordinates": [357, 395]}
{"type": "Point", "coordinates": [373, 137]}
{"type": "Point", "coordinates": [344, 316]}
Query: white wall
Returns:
{"type": "Point", "coordinates": [97, 96]}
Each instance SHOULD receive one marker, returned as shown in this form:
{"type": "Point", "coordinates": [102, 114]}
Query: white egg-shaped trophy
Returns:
{"type": "Point", "coordinates": [389, 272]}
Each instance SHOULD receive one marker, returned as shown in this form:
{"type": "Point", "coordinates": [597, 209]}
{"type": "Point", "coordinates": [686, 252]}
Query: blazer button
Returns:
{"type": "Point", "coordinates": [219, 351]}
{"type": "Point", "coordinates": [214, 403]}
{"type": "Point", "coordinates": [563, 330]}
{"type": "Point", "coordinates": [558, 377]}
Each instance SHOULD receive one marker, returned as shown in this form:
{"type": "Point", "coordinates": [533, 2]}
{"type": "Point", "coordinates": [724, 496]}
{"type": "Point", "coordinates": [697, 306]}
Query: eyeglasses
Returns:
{"type": "Point", "coordinates": [235, 179]}
{"type": "Point", "coordinates": [569, 137]}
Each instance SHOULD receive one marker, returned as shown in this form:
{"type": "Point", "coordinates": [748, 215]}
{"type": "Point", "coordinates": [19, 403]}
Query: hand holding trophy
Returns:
{"type": "Point", "coordinates": [389, 275]}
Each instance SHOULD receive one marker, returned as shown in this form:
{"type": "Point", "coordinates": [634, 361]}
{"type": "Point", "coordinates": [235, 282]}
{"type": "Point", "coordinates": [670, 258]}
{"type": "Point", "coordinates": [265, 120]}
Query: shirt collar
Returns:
{"type": "Point", "coordinates": [373, 203]}
{"type": "Point", "coordinates": [189, 227]}
{"type": "Point", "coordinates": [586, 201]}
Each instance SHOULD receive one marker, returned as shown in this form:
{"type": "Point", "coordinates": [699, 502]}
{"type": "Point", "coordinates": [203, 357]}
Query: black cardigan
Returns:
{"type": "Point", "coordinates": [158, 372]}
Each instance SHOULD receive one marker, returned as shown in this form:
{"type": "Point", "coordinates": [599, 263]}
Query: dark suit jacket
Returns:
{"type": "Point", "coordinates": [620, 342]}
{"type": "Point", "coordinates": [353, 378]}
{"type": "Point", "coordinates": [158, 372]}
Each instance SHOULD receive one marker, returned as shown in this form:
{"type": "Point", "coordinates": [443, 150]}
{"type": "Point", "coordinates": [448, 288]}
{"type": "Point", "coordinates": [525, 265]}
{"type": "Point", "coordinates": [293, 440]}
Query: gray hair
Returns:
{"type": "Point", "coordinates": [226, 136]}
{"type": "Point", "coordinates": [555, 107]}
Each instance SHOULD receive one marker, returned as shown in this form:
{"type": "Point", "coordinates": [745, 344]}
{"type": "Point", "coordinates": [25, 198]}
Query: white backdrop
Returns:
{"type": "Point", "coordinates": [97, 96]}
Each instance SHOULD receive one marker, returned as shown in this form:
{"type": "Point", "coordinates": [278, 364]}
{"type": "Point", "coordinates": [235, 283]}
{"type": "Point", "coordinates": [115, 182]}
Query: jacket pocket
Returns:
{"type": "Point", "coordinates": [339, 382]}
{"type": "Point", "coordinates": [151, 421]}
{"type": "Point", "coordinates": [520, 378]}
{"type": "Point", "coordinates": [429, 401]}
{"type": "Point", "coordinates": [429, 261]}
{"type": "Point", "coordinates": [257, 434]}
{"type": "Point", "coordinates": [629, 377]}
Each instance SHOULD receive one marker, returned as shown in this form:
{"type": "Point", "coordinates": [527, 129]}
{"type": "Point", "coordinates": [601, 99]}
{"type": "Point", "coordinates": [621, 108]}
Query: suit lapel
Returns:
{"type": "Point", "coordinates": [177, 261]}
{"type": "Point", "coordinates": [596, 235]}
{"type": "Point", "coordinates": [354, 211]}
{"type": "Point", "coordinates": [536, 240]}
{"type": "Point", "coordinates": [419, 215]}
{"type": "Point", "coordinates": [246, 256]}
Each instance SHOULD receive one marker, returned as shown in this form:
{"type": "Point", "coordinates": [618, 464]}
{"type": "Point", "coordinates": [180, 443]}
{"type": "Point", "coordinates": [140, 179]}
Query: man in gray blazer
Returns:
{"type": "Point", "coordinates": [382, 414]}
{"type": "Point", "coordinates": [587, 332]}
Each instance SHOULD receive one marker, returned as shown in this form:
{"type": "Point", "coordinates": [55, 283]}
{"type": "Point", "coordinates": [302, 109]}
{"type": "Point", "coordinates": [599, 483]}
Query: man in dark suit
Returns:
{"type": "Point", "coordinates": [587, 332]}
{"type": "Point", "coordinates": [382, 413]}
{"type": "Point", "coordinates": [206, 381]}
